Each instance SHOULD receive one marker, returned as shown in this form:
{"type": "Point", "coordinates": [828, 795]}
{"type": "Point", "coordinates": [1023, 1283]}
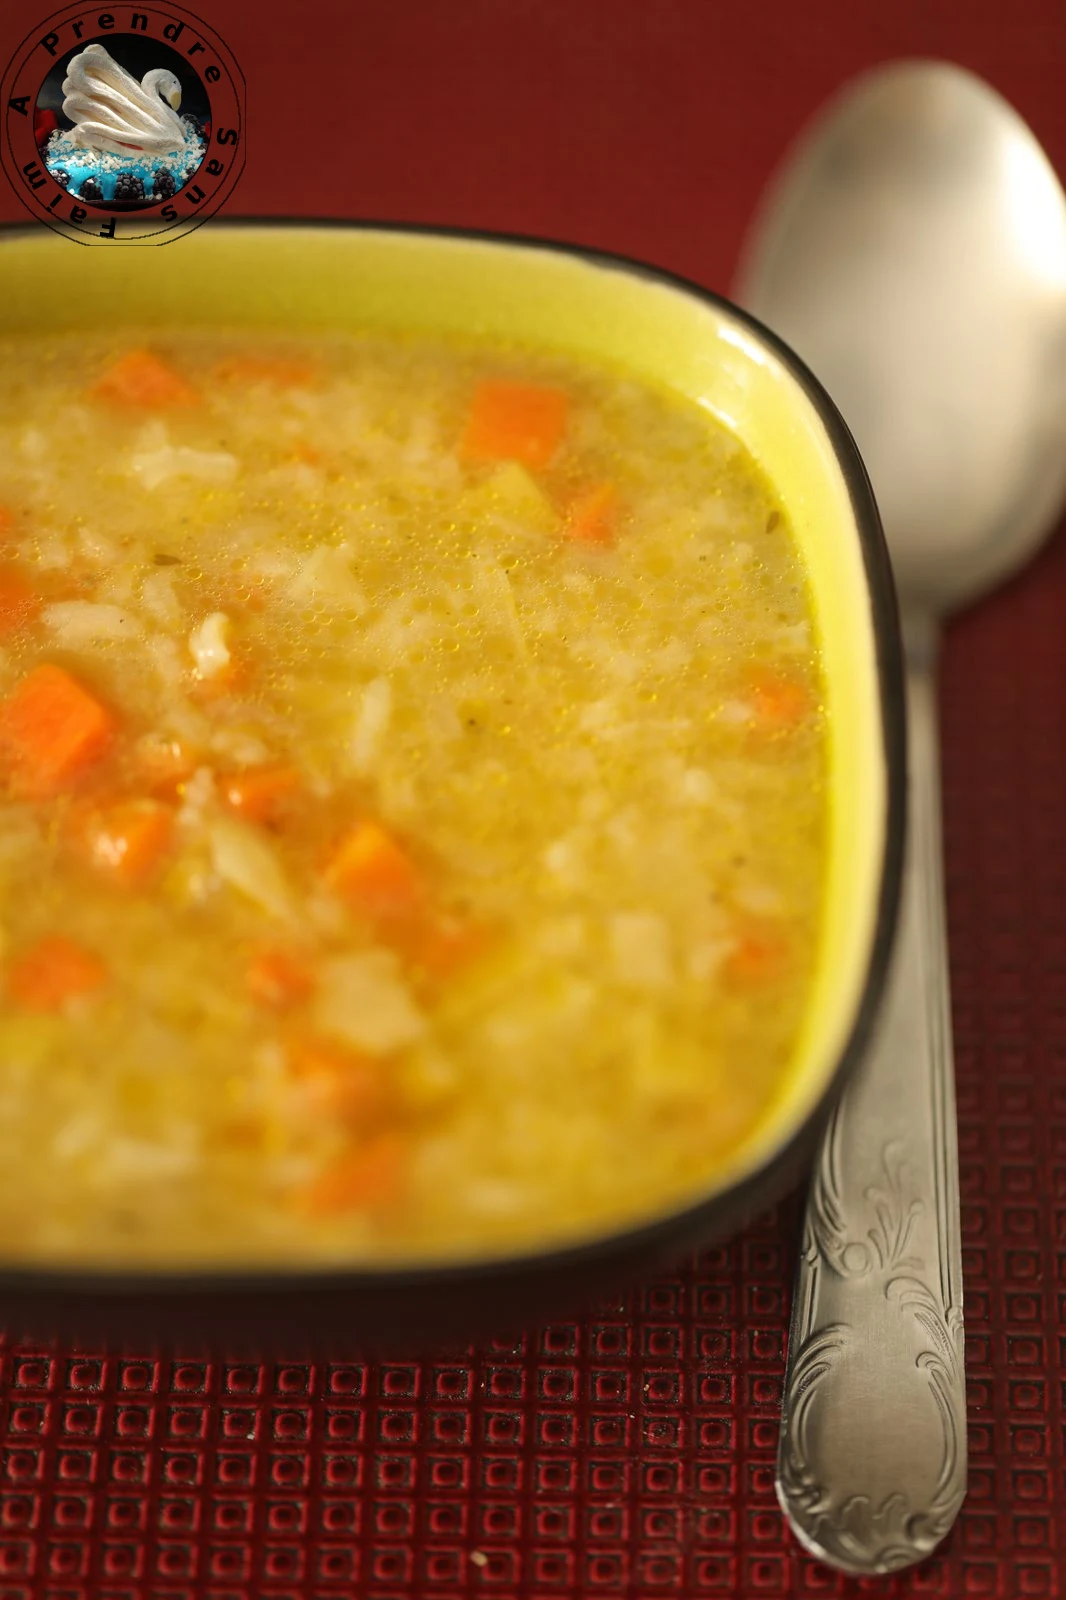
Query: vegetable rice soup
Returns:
{"type": "Point", "coordinates": [413, 808]}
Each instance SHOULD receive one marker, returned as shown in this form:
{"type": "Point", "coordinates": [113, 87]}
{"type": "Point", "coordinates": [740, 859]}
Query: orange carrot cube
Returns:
{"type": "Point", "coordinates": [759, 956]}
{"type": "Point", "coordinates": [52, 730]}
{"type": "Point", "coordinates": [143, 381]}
{"type": "Point", "coordinates": [780, 703]}
{"type": "Point", "coordinates": [374, 873]}
{"type": "Point", "coordinates": [515, 422]}
{"type": "Point", "coordinates": [370, 1177]}
{"type": "Point", "coordinates": [19, 604]}
{"type": "Point", "coordinates": [446, 946]}
{"type": "Point", "coordinates": [278, 978]}
{"type": "Point", "coordinates": [260, 793]}
{"type": "Point", "coordinates": [338, 1080]}
{"type": "Point", "coordinates": [129, 840]}
{"type": "Point", "coordinates": [592, 515]}
{"type": "Point", "coordinates": [52, 972]}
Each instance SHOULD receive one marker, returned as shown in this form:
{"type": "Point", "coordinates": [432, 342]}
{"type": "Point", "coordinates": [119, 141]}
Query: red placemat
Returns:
{"type": "Point", "coordinates": [630, 1454]}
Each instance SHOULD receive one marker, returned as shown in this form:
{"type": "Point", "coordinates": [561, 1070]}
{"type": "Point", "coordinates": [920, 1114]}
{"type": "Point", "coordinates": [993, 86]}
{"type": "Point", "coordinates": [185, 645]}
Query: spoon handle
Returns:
{"type": "Point", "coordinates": [872, 1463]}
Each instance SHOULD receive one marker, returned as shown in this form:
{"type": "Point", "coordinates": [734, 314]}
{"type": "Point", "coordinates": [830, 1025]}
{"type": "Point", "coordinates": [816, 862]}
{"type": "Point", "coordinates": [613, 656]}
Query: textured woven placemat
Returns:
{"type": "Point", "coordinates": [630, 1454]}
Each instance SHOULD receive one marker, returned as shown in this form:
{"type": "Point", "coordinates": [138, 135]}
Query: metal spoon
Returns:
{"type": "Point", "coordinates": [913, 252]}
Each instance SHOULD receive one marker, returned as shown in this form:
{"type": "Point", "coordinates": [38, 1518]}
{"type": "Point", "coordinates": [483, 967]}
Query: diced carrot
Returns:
{"type": "Point", "coordinates": [780, 703]}
{"type": "Point", "coordinates": [142, 380]}
{"type": "Point", "coordinates": [128, 841]}
{"type": "Point", "coordinates": [591, 516]}
{"type": "Point", "coordinates": [369, 1177]}
{"type": "Point", "coordinates": [759, 956]}
{"type": "Point", "coordinates": [283, 373]}
{"type": "Point", "coordinates": [373, 872]}
{"type": "Point", "coordinates": [338, 1079]}
{"type": "Point", "coordinates": [260, 793]}
{"type": "Point", "coordinates": [18, 602]}
{"type": "Point", "coordinates": [445, 946]}
{"type": "Point", "coordinates": [52, 972]}
{"type": "Point", "coordinates": [52, 730]}
{"type": "Point", "coordinates": [278, 978]}
{"type": "Point", "coordinates": [515, 422]}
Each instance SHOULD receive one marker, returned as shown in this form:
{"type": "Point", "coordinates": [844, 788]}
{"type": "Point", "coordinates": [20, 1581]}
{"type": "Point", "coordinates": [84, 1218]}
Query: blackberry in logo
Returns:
{"type": "Point", "coordinates": [129, 187]}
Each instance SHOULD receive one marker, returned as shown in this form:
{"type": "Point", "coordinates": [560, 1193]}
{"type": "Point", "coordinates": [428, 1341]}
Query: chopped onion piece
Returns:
{"type": "Point", "coordinates": [760, 899]}
{"type": "Point", "coordinates": [362, 998]}
{"type": "Point", "coordinates": [563, 938]}
{"type": "Point", "coordinates": [244, 859]}
{"type": "Point", "coordinates": [560, 858]}
{"type": "Point", "coordinates": [209, 645]}
{"type": "Point", "coordinates": [156, 467]}
{"type": "Point", "coordinates": [78, 622]}
{"type": "Point", "coordinates": [167, 660]}
{"type": "Point", "coordinates": [697, 786]}
{"type": "Point", "coordinates": [640, 949]}
{"type": "Point", "coordinates": [160, 600]}
{"type": "Point", "coordinates": [735, 712]}
{"type": "Point", "coordinates": [137, 1160]}
{"type": "Point", "coordinates": [375, 709]}
{"type": "Point", "coordinates": [326, 576]}
{"type": "Point", "coordinates": [197, 794]}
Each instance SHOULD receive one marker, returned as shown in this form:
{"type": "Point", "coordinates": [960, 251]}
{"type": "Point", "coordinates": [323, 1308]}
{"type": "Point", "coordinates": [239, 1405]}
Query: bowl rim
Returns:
{"type": "Point", "coordinates": [742, 1197]}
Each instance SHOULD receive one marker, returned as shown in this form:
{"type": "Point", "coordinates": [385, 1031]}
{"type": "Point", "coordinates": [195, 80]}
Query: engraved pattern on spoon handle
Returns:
{"type": "Point", "coordinates": [872, 1460]}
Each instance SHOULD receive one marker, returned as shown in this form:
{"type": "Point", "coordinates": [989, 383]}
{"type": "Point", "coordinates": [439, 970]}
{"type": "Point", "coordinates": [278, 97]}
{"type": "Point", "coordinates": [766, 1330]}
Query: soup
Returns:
{"type": "Point", "coordinates": [413, 830]}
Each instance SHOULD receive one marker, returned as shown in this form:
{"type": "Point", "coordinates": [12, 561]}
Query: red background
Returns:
{"type": "Point", "coordinates": [630, 1454]}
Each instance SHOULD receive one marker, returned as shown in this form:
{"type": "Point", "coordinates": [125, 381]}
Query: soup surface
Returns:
{"type": "Point", "coordinates": [413, 809]}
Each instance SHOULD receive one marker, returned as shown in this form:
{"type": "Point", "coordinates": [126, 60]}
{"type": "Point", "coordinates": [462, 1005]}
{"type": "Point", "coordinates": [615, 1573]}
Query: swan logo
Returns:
{"type": "Point", "coordinates": [123, 126]}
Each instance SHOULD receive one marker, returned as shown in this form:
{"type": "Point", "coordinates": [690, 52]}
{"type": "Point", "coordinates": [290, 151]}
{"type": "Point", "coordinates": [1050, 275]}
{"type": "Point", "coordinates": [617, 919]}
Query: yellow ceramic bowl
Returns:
{"type": "Point", "coordinates": [338, 275]}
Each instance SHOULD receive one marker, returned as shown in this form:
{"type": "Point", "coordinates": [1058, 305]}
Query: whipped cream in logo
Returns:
{"type": "Point", "coordinates": [110, 110]}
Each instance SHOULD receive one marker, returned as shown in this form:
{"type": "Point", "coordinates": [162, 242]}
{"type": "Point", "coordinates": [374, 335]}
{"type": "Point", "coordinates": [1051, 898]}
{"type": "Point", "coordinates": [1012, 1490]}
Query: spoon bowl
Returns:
{"type": "Point", "coordinates": [913, 251]}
